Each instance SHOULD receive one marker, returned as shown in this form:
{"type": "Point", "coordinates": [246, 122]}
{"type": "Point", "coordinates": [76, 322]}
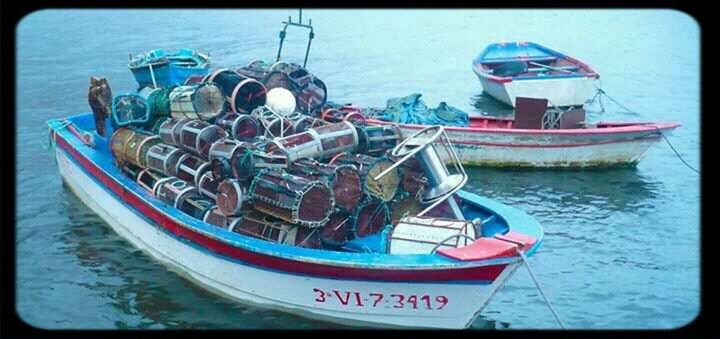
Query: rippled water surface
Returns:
{"type": "Point", "coordinates": [621, 247]}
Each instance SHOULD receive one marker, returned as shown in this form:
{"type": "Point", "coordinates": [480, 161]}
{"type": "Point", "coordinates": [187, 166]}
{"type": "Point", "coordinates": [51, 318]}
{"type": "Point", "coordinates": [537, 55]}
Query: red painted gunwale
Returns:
{"type": "Point", "coordinates": [604, 128]}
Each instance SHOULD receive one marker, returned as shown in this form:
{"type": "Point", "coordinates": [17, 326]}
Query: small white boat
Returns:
{"type": "Point", "coordinates": [540, 137]}
{"type": "Point", "coordinates": [526, 69]}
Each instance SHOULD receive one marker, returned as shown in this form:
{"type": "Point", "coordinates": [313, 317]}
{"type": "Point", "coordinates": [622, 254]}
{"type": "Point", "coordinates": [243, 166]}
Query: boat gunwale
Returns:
{"type": "Point", "coordinates": [481, 70]}
{"type": "Point", "coordinates": [614, 129]}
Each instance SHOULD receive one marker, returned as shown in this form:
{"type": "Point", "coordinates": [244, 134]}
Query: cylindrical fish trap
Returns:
{"type": "Point", "coordinates": [337, 230]}
{"type": "Point", "coordinates": [230, 197]}
{"type": "Point", "coordinates": [344, 180]}
{"type": "Point", "coordinates": [369, 167]}
{"type": "Point", "coordinates": [130, 170]}
{"type": "Point", "coordinates": [316, 143]}
{"type": "Point", "coordinates": [196, 206]}
{"type": "Point", "coordinates": [197, 136]}
{"type": "Point", "coordinates": [208, 185]}
{"type": "Point", "coordinates": [242, 163]}
{"type": "Point", "coordinates": [154, 124]}
{"type": "Point", "coordinates": [376, 140]}
{"type": "Point", "coordinates": [191, 169]}
{"type": "Point", "coordinates": [215, 217]}
{"type": "Point", "coordinates": [173, 191]}
{"type": "Point", "coordinates": [302, 122]}
{"type": "Point", "coordinates": [256, 69]}
{"type": "Point", "coordinates": [202, 101]}
{"type": "Point", "coordinates": [243, 94]}
{"type": "Point", "coordinates": [169, 131]}
{"type": "Point", "coordinates": [291, 198]}
{"type": "Point", "coordinates": [413, 176]}
{"type": "Point", "coordinates": [405, 207]}
{"type": "Point", "coordinates": [261, 226]}
{"type": "Point", "coordinates": [165, 131]}
{"type": "Point", "coordinates": [151, 180]}
{"type": "Point", "coordinates": [370, 217]}
{"type": "Point", "coordinates": [272, 124]}
{"type": "Point", "coordinates": [221, 154]}
{"type": "Point", "coordinates": [310, 92]}
{"type": "Point", "coordinates": [164, 158]}
{"type": "Point", "coordinates": [118, 140]}
{"type": "Point", "coordinates": [129, 108]}
{"type": "Point", "coordinates": [157, 100]}
{"type": "Point", "coordinates": [241, 127]}
{"type": "Point", "coordinates": [334, 115]}
{"type": "Point", "coordinates": [195, 79]}
{"type": "Point", "coordinates": [137, 146]}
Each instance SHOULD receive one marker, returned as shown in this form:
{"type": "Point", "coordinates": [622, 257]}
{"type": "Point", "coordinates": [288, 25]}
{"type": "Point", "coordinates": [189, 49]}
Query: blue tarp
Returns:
{"type": "Point", "coordinates": [412, 110]}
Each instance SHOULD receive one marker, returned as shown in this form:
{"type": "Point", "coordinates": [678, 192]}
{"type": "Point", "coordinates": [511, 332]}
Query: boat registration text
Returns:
{"type": "Point", "coordinates": [377, 299]}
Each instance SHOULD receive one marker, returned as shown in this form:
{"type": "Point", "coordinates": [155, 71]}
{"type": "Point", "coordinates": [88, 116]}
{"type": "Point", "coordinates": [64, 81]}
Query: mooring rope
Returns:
{"type": "Point", "coordinates": [537, 284]}
{"type": "Point", "coordinates": [627, 110]}
{"type": "Point", "coordinates": [676, 152]}
{"type": "Point", "coordinates": [600, 93]}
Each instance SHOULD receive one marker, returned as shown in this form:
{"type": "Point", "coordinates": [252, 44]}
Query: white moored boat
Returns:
{"type": "Point", "coordinates": [525, 69]}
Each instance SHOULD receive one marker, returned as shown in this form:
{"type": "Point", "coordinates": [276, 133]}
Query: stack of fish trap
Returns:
{"type": "Point", "coordinates": [213, 149]}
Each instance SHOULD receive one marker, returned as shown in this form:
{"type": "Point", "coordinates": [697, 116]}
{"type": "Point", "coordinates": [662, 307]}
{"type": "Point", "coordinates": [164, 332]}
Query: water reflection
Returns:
{"type": "Point", "coordinates": [145, 292]}
{"type": "Point", "coordinates": [611, 190]}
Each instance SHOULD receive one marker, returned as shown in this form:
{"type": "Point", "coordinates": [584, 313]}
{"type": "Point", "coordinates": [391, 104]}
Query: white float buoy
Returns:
{"type": "Point", "coordinates": [281, 101]}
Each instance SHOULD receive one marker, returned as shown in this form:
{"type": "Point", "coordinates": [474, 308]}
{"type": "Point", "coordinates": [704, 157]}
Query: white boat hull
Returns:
{"type": "Point", "coordinates": [560, 92]}
{"type": "Point", "coordinates": [547, 148]}
{"type": "Point", "coordinates": [596, 155]}
{"type": "Point", "coordinates": [385, 304]}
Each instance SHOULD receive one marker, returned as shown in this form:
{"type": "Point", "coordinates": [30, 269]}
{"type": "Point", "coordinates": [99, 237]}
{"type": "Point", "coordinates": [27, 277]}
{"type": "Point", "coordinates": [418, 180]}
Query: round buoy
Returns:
{"type": "Point", "coordinates": [281, 101]}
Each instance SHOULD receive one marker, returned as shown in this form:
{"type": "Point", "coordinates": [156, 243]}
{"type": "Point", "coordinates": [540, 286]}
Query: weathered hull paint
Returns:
{"type": "Point", "coordinates": [350, 302]}
{"type": "Point", "coordinates": [544, 148]}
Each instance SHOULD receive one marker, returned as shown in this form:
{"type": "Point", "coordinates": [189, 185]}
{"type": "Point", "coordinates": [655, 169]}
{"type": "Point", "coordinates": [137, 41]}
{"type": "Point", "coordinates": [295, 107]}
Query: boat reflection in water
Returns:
{"type": "Point", "coordinates": [588, 193]}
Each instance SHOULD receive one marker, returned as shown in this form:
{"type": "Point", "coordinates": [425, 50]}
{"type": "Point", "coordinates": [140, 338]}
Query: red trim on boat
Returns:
{"type": "Point", "coordinates": [620, 129]}
{"type": "Point", "coordinates": [584, 144]}
{"type": "Point", "coordinates": [482, 273]}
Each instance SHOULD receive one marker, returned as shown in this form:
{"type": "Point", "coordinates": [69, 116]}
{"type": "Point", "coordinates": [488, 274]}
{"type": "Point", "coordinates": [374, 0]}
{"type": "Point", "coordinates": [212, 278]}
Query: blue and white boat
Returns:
{"type": "Point", "coordinates": [363, 282]}
{"type": "Point", "coordinates": [161, 68]}
{"type": "Point", "coordinates": [525, 69]}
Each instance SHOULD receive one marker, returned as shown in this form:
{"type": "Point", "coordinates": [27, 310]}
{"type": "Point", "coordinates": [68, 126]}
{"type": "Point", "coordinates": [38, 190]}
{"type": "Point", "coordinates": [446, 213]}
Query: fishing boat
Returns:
{"type": "Point", "coordinates": [526, 69]}
{"type": "Point", "coordinates": [364, 282]}
{"type": "Point", "coordinates": [541, 137]}
{"type": "Point", "coordinates": [158, 67]}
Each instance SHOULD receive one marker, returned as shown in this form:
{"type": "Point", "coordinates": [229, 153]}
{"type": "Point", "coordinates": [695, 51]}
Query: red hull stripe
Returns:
{"type": "Point", "coordinates": [580, 144]}
{"type": "Point", "coordinates": [649, 128]}
{"type": "Point", "coordinates": [484, 274]}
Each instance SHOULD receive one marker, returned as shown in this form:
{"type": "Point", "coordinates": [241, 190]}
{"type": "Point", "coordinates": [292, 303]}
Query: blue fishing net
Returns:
{"type": "Point", "coordinates": [412, 110]}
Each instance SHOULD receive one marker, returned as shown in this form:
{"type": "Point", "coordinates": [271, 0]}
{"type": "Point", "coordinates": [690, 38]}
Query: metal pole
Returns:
{"type": "Point", "coordinates": [152, 75]}
{"type": "Point", "coordinates": [307, 51]}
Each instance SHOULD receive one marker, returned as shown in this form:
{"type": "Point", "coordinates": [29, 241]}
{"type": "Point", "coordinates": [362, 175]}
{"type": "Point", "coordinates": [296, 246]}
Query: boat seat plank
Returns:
{"type": "Point", "coordinates": [481, 249]}
{"type": "Point", "coordinates": [542, 69]}
{"type": "Point", "coordinates": [490, 61]}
